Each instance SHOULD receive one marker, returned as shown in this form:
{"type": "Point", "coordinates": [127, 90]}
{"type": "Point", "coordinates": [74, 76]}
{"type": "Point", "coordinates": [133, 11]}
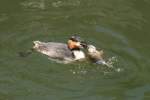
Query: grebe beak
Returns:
{"type": "Point", "coordinates": [84, 45]}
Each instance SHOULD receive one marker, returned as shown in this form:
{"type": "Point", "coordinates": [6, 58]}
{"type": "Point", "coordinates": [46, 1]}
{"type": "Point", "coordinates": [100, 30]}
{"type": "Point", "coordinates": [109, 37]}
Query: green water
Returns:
{"type": "Point", "coordinates": [119, 27]}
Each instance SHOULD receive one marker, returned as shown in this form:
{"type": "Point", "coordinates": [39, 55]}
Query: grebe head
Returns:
{"type": "Point", "coordinates": [36, 44]}
{"type": "Point", "coordinates": [91, 48]}
{"type": "Point", "coordinates": [75, 38]}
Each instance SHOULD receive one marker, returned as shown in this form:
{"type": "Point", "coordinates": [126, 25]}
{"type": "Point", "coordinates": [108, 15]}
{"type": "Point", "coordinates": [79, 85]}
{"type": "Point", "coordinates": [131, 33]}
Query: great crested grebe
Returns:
{"type": "Point", "coordinates": [95, 55]}
{"type": "Point", "coordinates": [58, 51]}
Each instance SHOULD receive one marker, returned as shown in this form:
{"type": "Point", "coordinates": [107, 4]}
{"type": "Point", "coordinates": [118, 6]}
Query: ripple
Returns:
{"type": "Point", "coordinates": [116, 45]}
{"type": "Point", "coordinates": [66, 3]}
{"type": "Point", "coordinates": [113, 34]}
{"type": "Point", "coordinates": [34, 4]}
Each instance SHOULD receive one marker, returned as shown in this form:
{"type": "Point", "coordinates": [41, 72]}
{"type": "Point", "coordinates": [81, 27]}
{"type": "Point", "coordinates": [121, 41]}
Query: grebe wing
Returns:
{"type": "Point", "coordinates": [60, 49]}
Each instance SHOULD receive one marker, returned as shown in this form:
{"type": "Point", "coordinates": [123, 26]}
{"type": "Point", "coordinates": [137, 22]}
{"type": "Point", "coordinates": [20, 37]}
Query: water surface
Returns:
{"type": "Point", "coordinates": [119, 27]}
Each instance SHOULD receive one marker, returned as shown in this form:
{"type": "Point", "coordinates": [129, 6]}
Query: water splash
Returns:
{"type": "Point", "coordinates": [112, 63]}
{"type": "Point", "coordinates": [80, 69]}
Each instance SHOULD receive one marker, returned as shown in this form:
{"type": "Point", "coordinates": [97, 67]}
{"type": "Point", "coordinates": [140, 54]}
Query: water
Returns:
{"type": "Point", "coordinates": [119, 27]}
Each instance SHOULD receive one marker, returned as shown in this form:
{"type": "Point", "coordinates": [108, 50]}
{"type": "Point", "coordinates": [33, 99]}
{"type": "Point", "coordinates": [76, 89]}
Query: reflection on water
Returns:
{"type": "Point", "coordinates": [118, 27]}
